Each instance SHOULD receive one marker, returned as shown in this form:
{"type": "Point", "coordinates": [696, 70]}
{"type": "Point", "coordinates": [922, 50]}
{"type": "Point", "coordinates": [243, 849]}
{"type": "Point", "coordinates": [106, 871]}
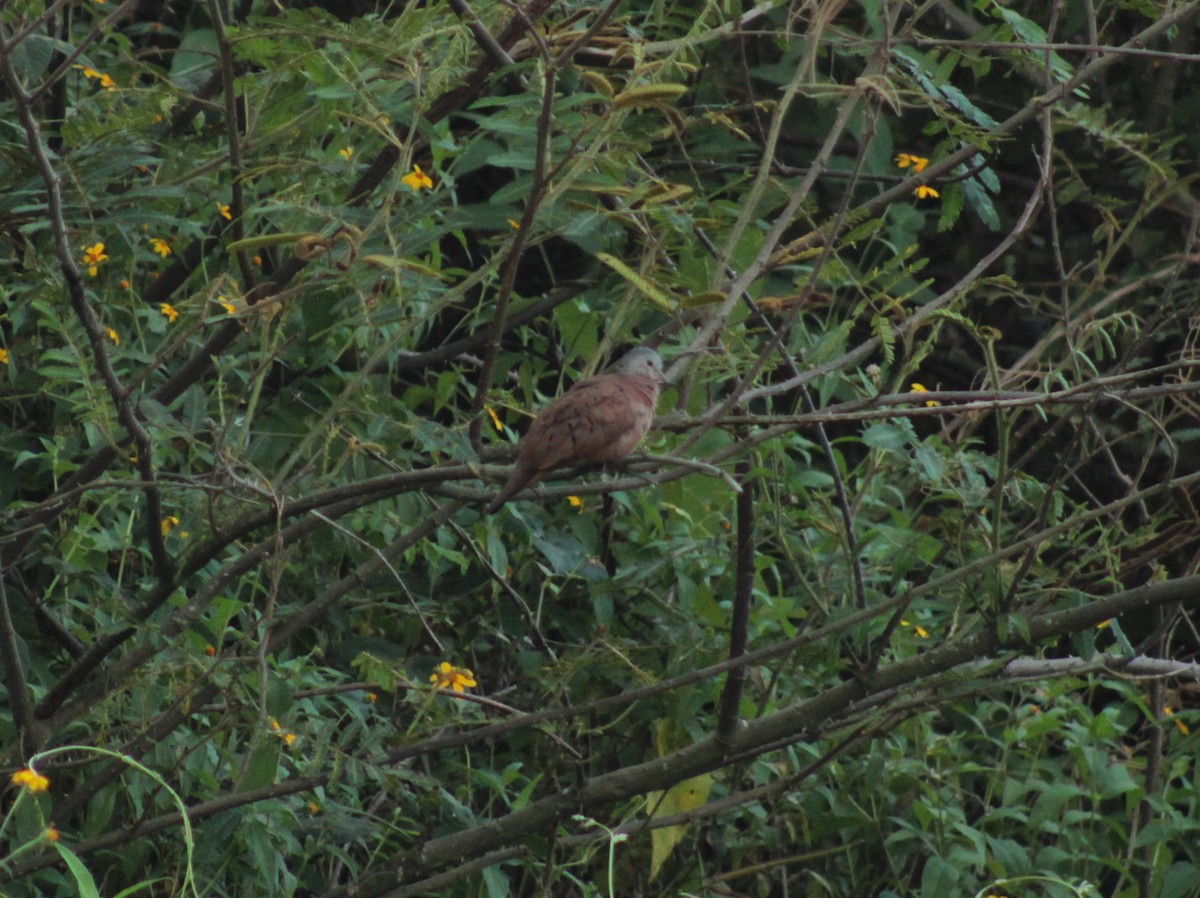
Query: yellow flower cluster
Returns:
{"type": "Point", "coordinates": [917, 164]}
{"type": "Point", "coordinates": [921, 388]}
{"type": "Point", "coordinates": [105, 81]}
{"type": "Point", "coordinates": [287, 736]}
{"type": "Point", "coordinates": [447, 676]}
{"type": "Point", "coordinates": [31, 780]}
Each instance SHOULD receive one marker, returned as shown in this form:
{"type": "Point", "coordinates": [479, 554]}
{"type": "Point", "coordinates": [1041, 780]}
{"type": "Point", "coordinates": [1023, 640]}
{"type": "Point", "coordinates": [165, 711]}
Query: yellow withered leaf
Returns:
{"type": "Point", "coordinates": [649, 95]}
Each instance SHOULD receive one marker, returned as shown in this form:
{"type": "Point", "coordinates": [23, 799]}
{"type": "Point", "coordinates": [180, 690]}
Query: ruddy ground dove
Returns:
{"type": "Point", "coordinates": [599, 419]}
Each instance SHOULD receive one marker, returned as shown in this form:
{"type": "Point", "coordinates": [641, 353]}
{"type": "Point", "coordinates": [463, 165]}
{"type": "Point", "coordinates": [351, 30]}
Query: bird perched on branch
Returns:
{"type": "Point", "coordinates": [599, 419]}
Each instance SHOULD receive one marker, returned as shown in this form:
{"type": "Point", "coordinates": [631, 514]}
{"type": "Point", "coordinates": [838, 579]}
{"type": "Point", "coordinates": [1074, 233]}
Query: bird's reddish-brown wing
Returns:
{"type": "Point", "coordinates": [597, 420]}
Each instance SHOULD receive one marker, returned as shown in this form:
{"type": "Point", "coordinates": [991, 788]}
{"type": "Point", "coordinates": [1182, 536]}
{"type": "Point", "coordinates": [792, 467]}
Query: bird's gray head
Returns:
{"type": "Point", "coordinates": [641, 361]}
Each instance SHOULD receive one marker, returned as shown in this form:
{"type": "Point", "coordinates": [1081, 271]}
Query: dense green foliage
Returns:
{"type": "Point", "coordinates": [280, 286]}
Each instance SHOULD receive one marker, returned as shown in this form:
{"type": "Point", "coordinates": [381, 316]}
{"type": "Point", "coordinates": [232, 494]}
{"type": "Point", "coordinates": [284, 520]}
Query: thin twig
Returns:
{"type": "Point", "coordinates": [237, 203]}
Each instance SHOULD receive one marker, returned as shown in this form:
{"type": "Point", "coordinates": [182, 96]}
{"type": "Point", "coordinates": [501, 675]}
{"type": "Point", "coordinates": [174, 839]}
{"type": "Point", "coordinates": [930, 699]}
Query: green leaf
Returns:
{"type": "Point", "coordinates": [1180, 880]}
{"type": "Point", "coordinates": [939, 878]}
{"type": "Point", "coordinates": [496, 881]}
{"type": "Point", "coordinates": [981, 203]}
{"type": "Point", "coordinates": [888, 436]}
{"type": "Point", "coordinates": [195, 59]}
{"type": "Point", "coordinates": [262, 765]}
{"type": "Point", "coordinates": [138, 887]}
{"type": "Point", "coordinates": [79, 872]}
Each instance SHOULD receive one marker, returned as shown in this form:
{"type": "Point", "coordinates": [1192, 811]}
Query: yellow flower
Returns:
{"type": "Point", "coordinates": [514, 224]}
{"type": "Point", "coordinates": [918, 629]}
{"type": "Point", "coordinates": [346, 153]}
{"type": "Point", "coordinates": [170, 522]}
{"type": "Point", "coordinates": [93, 256]}
{"type": "Point", "coordinates": [258, 261]}
{"type": "Point", "coordinates": [1183, 727]}
{"type": "Point", "coordinates": [226, 305]}
{"type": "Point", "coordinates": [160, 246]}
{"type": "Point", "coordinates": [113, 335]}
{"type": "Point", "coordinates": [105, 81]}
{"type": "Point", "coordinates": [1104, 624]}
{"type": "Point", "coordinates": [447, 676]}
{"type": "Point", "coordinates": [3, 356]}
{"type": "Point", "coordinates": [125, 285]}
{"type": "Point", "coordinates": [495, 418]}
{"type": "Point", "coordinates": [287, 737]}
{"type": "Point", "coordinates": [921, 388]}
{"type": "Point", "coordinates": [169, 310]}
{"type": "Point", "coordinates": [51, 834]}
{"type": "Point", "coordinates": [417, 179]}
{"type": "Point", "coordinates": [574, 501]}
{"type": "Point", "coordinates": [31, 780]}
{"type": "Point", "coordinates": [223, 209]}
{"type": "Point", "coordinates": [918, 163]}
{"type": "Point", "coordinates": [372, 697]}
{"type": "Point", "coordinates": [314, 808]}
